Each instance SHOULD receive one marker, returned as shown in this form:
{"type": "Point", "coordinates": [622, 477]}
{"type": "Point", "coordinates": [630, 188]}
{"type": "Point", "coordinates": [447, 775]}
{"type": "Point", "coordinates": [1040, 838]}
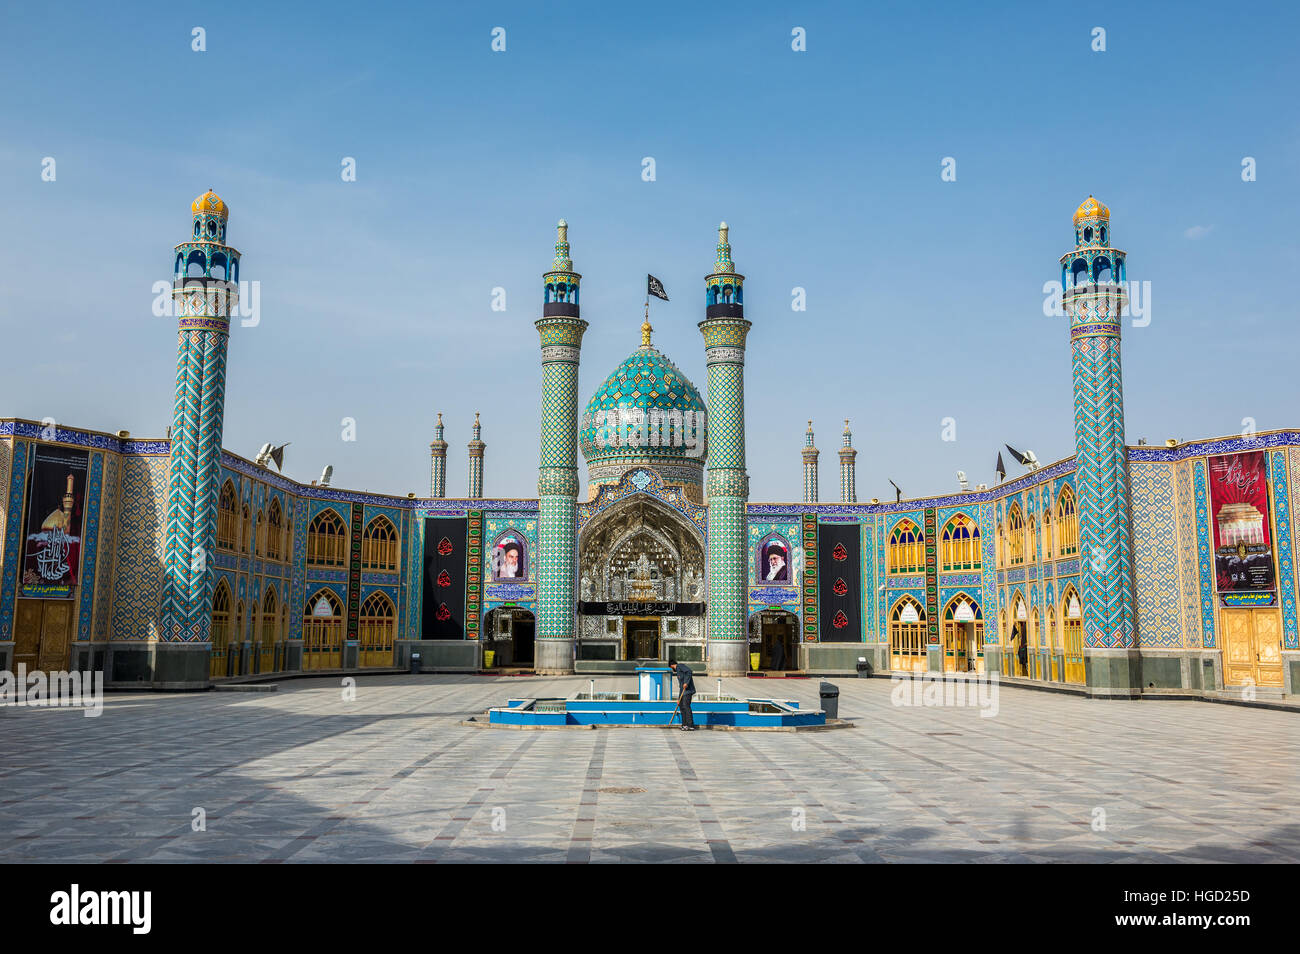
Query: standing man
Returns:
{"type": "Point", "coordinates": [687, 681]}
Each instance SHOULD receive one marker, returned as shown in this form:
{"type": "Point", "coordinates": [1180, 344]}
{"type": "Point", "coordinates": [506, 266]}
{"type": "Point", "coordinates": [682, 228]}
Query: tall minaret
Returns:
{"type": "Point", "coordinates": [561, 330]}
{"type": "Point", "coordinates": [1094, 296]}
{"type": "Point", "coordinates": [848, 468]}
{"type": "Point", "coordinates": [725, 329]}
{"type": "Point", "coordinates": [438, 462]}
{"type": "Point", "coordinates": [810, 480]}
{"type": "Point", "coordinates": [204, 305]}
{"type": "Point", "coordinates": [476, 448]}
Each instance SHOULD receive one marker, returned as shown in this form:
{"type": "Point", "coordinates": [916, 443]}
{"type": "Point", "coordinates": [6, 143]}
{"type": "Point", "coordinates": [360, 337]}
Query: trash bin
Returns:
{"type": "Point", "coordinates": [830, 700]}
{"type": "Point", "coordinates": [864, 668]}
{"type": "Point", "coordinates": [415, 662]}
{"type": "Point", "coordinates": [488, 656]}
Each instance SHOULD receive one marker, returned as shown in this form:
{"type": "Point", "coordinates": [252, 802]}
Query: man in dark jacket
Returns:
{"type": "Point", "coordinates": [687, 682]}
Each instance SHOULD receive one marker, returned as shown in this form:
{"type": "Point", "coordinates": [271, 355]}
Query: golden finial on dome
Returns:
{"type": "Point", "coordinates": [645, 327]}
{"type": "Point", "coordinates": [1090, 208]}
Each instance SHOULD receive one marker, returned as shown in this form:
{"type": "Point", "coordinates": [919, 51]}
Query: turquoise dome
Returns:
{"type": "Point", "coordinates": [647, 380]}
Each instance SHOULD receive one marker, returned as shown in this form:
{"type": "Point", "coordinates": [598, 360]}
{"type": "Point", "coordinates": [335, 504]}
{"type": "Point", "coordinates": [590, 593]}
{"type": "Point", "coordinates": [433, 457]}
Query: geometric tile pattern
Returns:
{"type": "Point", "coordinates": [557, 479]}
{"type": "Point", "coordinates": [1101, 474]}
{"type": "Point", "coordinates": [1157, 597]}
{"type": "Point", "coordinates": [1188, 570]}
{"type": "Point", "coordinates": [1205, 559]}
{"type": "Point", "coordinates": [12, 529]}
{"type": "Point", "coordinates": [1285, 562]}
{"type": "Point", "coordinates": [810, 583]}
{"type": "Point", "coordinates": [138, 580]}
{"type": "Point", "coordinates": [728, 483]}
{"type": "Point", "coordinates": [90, 544]}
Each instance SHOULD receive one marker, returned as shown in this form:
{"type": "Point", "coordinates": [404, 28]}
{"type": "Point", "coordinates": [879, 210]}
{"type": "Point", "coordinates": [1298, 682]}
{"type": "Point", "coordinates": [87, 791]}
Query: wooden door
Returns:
{"type": "Point", "coordinates": [27, 633]}
{"type": "Point", "coordinates": [1238, 648]}
{"type": "Point", "coordinates": [56, 634]}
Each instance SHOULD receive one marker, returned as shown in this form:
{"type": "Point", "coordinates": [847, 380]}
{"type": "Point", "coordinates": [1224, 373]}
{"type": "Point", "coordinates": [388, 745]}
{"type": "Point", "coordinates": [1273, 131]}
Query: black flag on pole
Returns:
{"type": "Point", "coordinates": [1001, 468]}
{"type": "Point", "coordinates": [654, 286]}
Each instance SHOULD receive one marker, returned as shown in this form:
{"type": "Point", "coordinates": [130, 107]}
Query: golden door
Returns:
{"type": "Point", "coordinates": [43, 634]}
{"type": "Point", "coordinates": [27, 633]}
{"type": "Point", "coordinates": [56, 634]}
{"type": "Point", "coordinates": [266, 661]}
{"type": "Point", "coordinates": [1252, 647]}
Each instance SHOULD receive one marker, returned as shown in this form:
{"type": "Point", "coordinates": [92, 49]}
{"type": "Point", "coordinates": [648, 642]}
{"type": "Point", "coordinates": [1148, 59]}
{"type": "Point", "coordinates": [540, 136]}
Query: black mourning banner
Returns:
{"type": "Point", "coordinates": [654, 286]}
{"type": "Point", "coordinates": [444, 578]}
{"type": "Point", "coordinates": [839, 568]}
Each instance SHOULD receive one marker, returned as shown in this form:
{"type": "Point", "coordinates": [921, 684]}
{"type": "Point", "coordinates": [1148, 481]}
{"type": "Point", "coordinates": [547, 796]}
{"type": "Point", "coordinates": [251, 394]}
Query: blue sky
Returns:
{"type": "Point", "coordinates": [924, 297]}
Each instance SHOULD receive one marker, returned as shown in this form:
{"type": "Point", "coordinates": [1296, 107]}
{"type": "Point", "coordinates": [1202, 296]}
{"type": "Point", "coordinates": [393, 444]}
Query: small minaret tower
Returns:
{"type": "Point", "coordinates": [561, 330]}
{"type": "Point", "coordinates": [205, 291]}
{"type": "Point", "coordinates": [476, 448]}
{"type": "Point", "coordinates": [848, 468]}
{"type": "Point", "coordinates": [1092, 277]}
{"type": "Point", "coordinates": [810, 455]}
{"type": "Point", "coordinates": [725, 329]}
{"type": "Point", "coordinates": [438, 462]}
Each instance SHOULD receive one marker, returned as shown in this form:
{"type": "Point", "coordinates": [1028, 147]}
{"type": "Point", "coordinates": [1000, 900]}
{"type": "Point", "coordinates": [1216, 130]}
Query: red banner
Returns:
{"type": "Point", "coordinates": [1239, 518]}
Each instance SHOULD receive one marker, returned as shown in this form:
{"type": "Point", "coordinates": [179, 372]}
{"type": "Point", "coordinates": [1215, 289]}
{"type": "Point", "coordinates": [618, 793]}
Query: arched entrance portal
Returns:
{"type": "Point", "coordinates": [510, 632]}
{"type": "Point", "coordinates": [641, 584]}
{"type": "Point", "coordinates": [963, 635]}
{"type": "Point", "coordinates": [774, 635]}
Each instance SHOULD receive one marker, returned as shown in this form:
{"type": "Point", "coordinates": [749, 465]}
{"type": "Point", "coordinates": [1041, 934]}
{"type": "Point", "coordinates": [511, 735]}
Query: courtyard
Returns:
{"type": "Point", "coordinates": [300, 774]}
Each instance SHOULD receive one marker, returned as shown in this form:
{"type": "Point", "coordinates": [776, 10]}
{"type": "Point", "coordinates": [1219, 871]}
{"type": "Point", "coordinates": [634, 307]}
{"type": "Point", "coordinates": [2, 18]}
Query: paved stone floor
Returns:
{"type": "Point", "coordinates": [299, 775]}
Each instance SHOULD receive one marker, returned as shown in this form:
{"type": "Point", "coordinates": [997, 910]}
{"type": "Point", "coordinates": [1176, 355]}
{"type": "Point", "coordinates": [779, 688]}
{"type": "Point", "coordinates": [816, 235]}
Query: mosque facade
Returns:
{"type": "Point", "coordinates": [1122, 570]}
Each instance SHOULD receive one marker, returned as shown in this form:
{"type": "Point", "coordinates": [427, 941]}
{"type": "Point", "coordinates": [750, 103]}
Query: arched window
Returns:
{"type": "Point", "coordinates": [1033, 539]}
{"type": "Point", "coordinates": [247, 540]}
{"type": "Point", "coordinates": [1001, 546]}
{"type": "Point", "coordinates": [226, 526]}
{"type": "Point", "coordinates": [219, 262]}
{"type": "Point", "coordinates": [1015, 536]}
{"type": "Point", "coordinates": [259, 533]}
{"type": "Point", "coordinates": [220, 635]}
{"type": "Point", "coordinates": [960, 544]}
{"type": "Point", "coordinates": [274, 530]}
{"type": "Point", "coordinates": [327, 540]}
{"type": "Point", "coordinates": [1067, 523]}
{"type": "Point", "coordinates": [196, 265]}
{"type": "Point", "coordinates": [1047, 533]}
{"type": "Point", "coordinates": [237, 637]}
{"type": "Point", "coordinates": [1079, 272]}
{"type": "Point", "coordinates": [1072, 635]}
{"type": "Point", "coordinates": [1101, 271]}
{"type": "Point", "coordinates": [378, 630]}
{"type": "Point", "coordinates": [963, 634]}
{"type": "Point", "coordinates": [266, 631]}
{"type": "Point", "coordinates": [379, 545]}
{"type": "Point", "coordinates": [907, 636]}
{"type": "Point", "coordinates": [906, 548]}
{"type": "Point", "coordinates": [322, 629]}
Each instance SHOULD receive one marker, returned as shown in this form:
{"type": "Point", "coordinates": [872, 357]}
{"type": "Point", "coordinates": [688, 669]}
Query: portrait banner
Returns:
{"type": "Point", "coordinates": [1239, 519]}
{"type": "Point", "coordinates": [55, 510]}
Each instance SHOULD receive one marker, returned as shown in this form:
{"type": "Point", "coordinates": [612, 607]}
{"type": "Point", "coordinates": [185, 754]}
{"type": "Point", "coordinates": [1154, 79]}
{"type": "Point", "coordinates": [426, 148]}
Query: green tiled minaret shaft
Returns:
{"type": "Point", "coordinates": [438, 462]}
{"type": "Point", "coordinates": [205, 301]}
{"type": "Point", "coordinates": [725, 329]}
{"type": "Point", "coordinates": [561, 330]}
{"type": "Point", "coordinates": [476, 449]}
{"type": "Point", "coordinates": [1093, 277]}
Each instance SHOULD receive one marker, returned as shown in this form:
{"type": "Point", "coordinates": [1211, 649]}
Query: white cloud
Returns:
{"type": "Point", "coordinates": [1198, 231]}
